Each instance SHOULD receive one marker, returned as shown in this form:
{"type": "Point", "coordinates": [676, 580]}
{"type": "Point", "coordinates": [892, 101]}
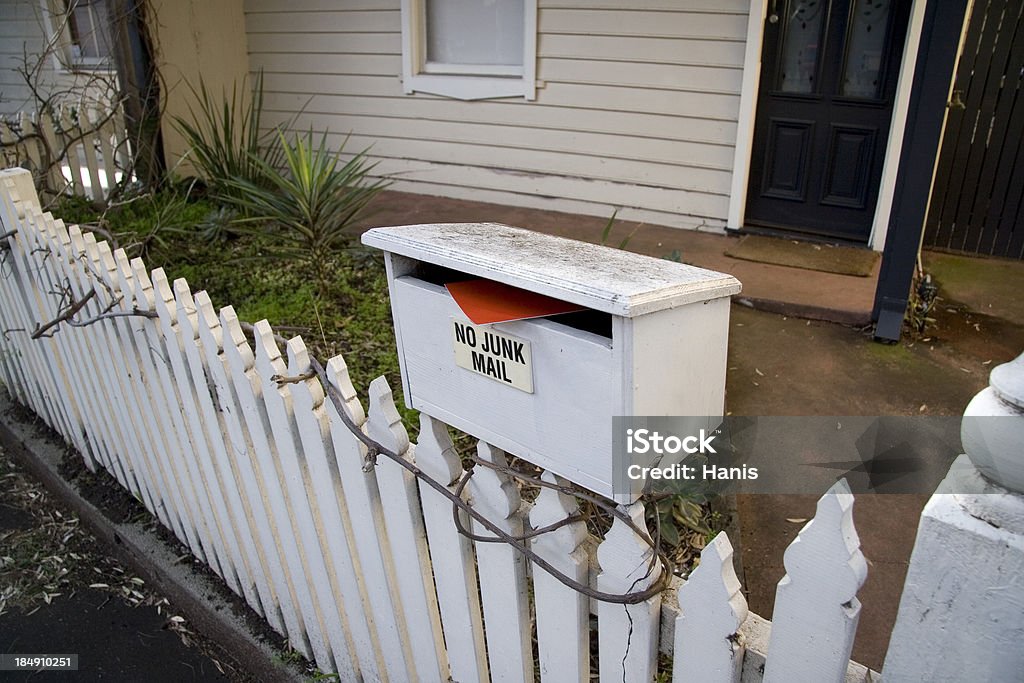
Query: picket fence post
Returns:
{"type": "Point", "coordinates": [563, 614]}
{"type": "Point", "coordinates": [712, 608]}
{"type": "Point", "coordinates": [451, 555]}
{"type": "Point", "coordinates": [627, 634]}
{"type": "Point", "coordinates": [407, 537]}
{"type": "Point", "coordinates": [816, 607]}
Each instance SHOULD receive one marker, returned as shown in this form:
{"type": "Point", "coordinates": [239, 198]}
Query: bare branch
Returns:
{"type": "Point", "coordinates": [43, 330]}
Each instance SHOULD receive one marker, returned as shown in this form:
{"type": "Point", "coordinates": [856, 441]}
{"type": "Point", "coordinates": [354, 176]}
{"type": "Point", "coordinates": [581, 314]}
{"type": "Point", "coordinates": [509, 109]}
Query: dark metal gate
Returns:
{"type": "Point", "coordinates": [979, 183]}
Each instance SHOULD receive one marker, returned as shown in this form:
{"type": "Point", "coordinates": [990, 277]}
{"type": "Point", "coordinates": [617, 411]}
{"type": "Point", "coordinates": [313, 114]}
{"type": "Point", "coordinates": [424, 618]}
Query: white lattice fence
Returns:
{"type": "Point", "coordinates": [361, 569]}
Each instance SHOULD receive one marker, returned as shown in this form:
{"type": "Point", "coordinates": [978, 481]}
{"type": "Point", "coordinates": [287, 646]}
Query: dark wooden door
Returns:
{"type": "Point", "coordinates": [828, 78]}
{"type": "Point", "coordinates": [977, 202]}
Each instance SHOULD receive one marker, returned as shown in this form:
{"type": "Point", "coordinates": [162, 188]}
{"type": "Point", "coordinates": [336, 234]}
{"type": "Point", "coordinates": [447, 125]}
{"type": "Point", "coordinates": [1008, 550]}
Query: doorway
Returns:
{"type": "Point", "coordinates": [829, 70]}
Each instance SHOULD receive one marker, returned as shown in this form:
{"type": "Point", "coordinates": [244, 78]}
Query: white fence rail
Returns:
{"type": "Point", "coordinates": [363, 570]}
{"type": "Point", "coordinates": [78, 150]}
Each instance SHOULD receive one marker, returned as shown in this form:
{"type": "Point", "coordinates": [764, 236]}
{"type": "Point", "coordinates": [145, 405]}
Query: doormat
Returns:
{"type": "Point", "coordinates": [808, 255]}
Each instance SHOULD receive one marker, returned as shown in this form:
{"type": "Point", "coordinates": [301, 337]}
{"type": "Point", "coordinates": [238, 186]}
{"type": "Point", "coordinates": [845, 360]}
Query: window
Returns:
{"type": "Point", "coordinates": [84, 32]}
{"type": "Point", "coordinates": [470, 49]}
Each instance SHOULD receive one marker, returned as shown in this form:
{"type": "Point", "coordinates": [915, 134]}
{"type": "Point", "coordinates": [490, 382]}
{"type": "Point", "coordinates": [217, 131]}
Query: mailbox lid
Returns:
{"type": "Point", "coordinates": [601, 278]}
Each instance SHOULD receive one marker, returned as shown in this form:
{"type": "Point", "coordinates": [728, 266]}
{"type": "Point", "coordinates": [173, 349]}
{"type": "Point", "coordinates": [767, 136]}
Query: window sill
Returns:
{"type": "Point", "coordinates": [463, 87]}
{"type": "Point", "coordinates": [87, 67]}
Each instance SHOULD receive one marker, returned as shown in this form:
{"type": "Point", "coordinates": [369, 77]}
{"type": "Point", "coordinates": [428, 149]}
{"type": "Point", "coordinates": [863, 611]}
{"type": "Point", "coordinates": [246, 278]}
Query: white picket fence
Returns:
{"type": "Point", "coordinates": [82, 150]}
{"type": "Point", "coordinates": [364, 571]}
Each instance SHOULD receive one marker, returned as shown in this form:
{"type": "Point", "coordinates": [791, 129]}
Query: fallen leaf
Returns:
{"type": "Point", "coordinates": [796, 520]}
{"type": "Point", "coordinates": [759, 372]}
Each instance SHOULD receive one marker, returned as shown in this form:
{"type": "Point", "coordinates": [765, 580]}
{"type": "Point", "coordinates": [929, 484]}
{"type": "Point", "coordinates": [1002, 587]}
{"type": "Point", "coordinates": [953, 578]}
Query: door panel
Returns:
{"type": "Point", "coordinates": [789, 157]}
{"type": "Point", "coordinates": [828, 78]}
{"type": "Point", "coordinates": [849, 158]}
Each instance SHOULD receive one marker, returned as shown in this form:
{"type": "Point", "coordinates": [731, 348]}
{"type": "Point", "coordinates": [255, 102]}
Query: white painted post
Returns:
{"type": "Point", "coordinates": [329, 640]}
{"type": "Point", "coordinates": [711, 610]}
{"type": "Point", "coordinates": [292, 586]}
{"type": "Point", "coordinates": [183, 396]}
{"type": "Point", "coordinates": [232, 457]}
{"type": "Point", "coordinates": [180, 446]}
{"type": "Point", "coordinates": [368, 528]}
{"type": "Point", "coordinates": [138, 295]}
{"type": "Point", "coordinates": [407, 536]}
{"type": "Point", "coordinates": [451, 555]}
{"type": "Point", "coordinates": [563, 614]}
{"type": "Point", "coordinates": [502, 570]}
{"type": "Point", "coordinates": [330, 511]}
{"type": "Point", "coordinates": [216, 468]}
{"type": "Point", "coordinates": [627, 634]}
{"type": "Point", "coordinates": [816, 606]}
{"type": "Point", "coordinates": [962, 613]}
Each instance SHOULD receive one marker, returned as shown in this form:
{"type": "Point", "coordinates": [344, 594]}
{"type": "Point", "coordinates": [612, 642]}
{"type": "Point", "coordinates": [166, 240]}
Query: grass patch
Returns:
{"type": "Point", "coordinates": [352, 318]}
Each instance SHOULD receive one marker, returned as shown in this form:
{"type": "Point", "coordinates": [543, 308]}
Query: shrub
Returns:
{"type": "Point", "coordinates": [225, 140]}
{"type": "Point", "coordinates": [305, 210]}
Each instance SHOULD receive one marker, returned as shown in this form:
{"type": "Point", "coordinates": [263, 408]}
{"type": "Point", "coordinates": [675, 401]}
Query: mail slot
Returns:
{"type": "Point", "coordinates": [638, 336]}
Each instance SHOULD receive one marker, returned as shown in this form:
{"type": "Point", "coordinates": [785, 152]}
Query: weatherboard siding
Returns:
{"type": "Point", "coordinates": [636, 105]}
{"type": "Point", "coordinates": [23, 38]}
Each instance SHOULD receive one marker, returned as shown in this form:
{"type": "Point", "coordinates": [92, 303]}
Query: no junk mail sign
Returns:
{"type": "Point", "coordinates": [534, 343]}
{"type": "Point", "coordinates": [501, 357]}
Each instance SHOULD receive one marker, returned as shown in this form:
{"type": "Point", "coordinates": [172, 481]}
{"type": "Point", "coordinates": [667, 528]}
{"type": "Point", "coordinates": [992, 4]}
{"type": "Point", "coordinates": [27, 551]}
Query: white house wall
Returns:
{"type": "Point", "coordinates": [636, 107]}
{"type": "Point", "coordinates": [25, 39]}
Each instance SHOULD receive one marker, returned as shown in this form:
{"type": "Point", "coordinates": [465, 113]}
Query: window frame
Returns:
{"type": "Point", "coordinates": [58, 18]}
{"type": "Point", "coordinates": [465, 81]}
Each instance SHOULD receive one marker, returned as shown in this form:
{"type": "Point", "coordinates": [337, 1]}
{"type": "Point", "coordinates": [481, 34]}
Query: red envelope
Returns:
{"type": "Point", "coordinates": [487, 301]}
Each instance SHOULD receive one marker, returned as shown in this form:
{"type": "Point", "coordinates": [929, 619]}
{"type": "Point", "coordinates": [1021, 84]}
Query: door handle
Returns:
{"type": "Point", "coordinates": [958, 101]}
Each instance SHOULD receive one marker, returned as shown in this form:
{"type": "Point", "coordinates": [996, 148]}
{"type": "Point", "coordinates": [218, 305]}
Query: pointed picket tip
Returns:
{"type": "Point", "coordinates": [91, 254]}
{"type": "Point", "coordinates": [268, 355]}
{"type": "Point", "coordinates": [209, 323]}
{"type": "Point", "coordinates": [106, 256]}
{"type": "Point", "coordinates": [123, 265]}
{"type": "Point", "coordinates": [186, 309]}
{"type": "Point", "coordinates": [435, 452]}
{"type": "Point", "coordinates": [492, 492]}
{"type": "Point", "coordinates": [299, 364]}
{"type": "Point", "coordinates": [553, 506]}
{"type": "Point", "coordinates": [626, 555]}
{"type": "Point", "coordinates": [77, 240]}
{"type": "Point", "coordinates": [338, 377]}
{"type": "Point", "coordinates": [235, 338]}
{"type": "Point", "coordinates": [164, 296]}
{"type": "Point", "coordinates": [713, 585]}
{"type": "Point", "coordinates": [385, 424]}
{"type": "Point", "coordinates": [141, 273]}
{"type": "Point", "coordinates": [62, 232]}
{"type": "Point", "coordinates": [120, 260]}
{"type": "Point", "coordinates": [829, 546]}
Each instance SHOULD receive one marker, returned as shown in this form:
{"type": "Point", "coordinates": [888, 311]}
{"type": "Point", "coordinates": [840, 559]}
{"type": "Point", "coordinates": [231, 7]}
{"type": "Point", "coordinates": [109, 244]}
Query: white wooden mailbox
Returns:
{"type": "Point", "coordinates": [652, 340]}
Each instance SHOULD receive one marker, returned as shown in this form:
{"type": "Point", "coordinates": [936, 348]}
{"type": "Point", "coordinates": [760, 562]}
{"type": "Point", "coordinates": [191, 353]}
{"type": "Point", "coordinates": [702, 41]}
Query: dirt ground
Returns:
{"type": "Point", "coordinates": [818, 368]}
